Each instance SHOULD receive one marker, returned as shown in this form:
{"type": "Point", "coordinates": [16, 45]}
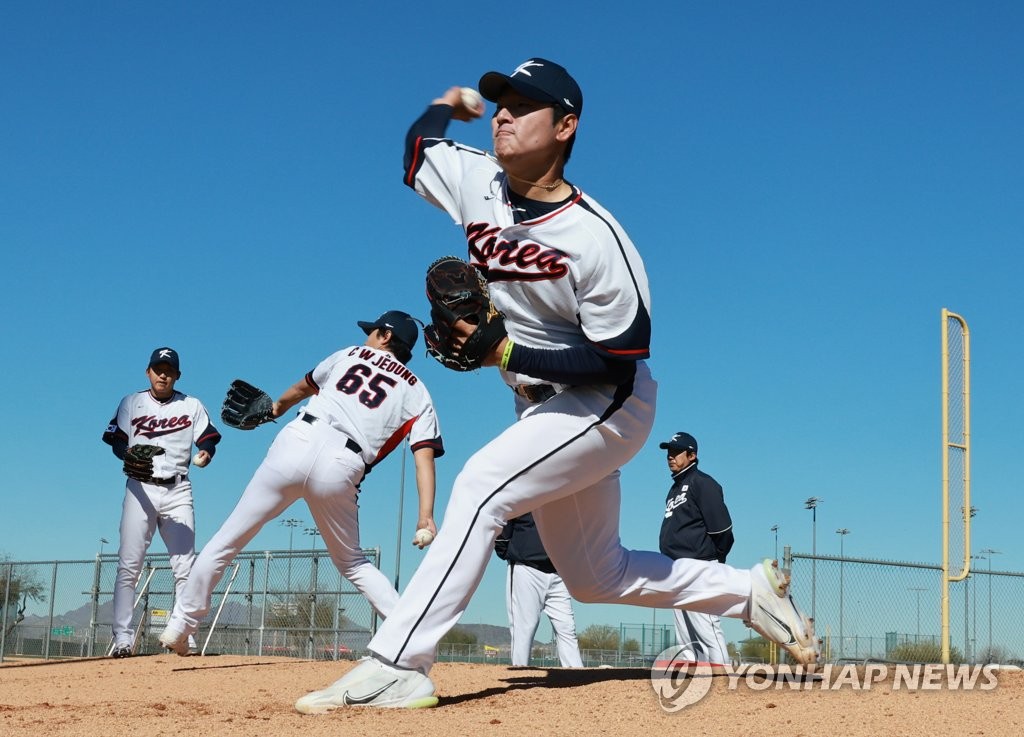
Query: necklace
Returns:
{"type": "Point", "coordinates": [546, 187]}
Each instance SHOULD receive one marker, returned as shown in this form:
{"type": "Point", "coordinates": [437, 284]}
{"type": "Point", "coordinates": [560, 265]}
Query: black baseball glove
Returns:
{"type": "Point", "coordinates": [246, 406]}
{"type": "Point", "coordinates": [457, 291]}
{"type": "Point", "coordinates": [138, 461]}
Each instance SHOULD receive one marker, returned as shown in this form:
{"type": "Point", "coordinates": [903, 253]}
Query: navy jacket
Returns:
{"type": "Point", "coordinates": [697, 522]}
{"type": "Point", "coordinates": [520, 543]}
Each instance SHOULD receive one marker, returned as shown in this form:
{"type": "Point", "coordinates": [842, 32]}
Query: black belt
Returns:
{"type": "Point", "coordinates": [535, 393]}
{"type": "Point", "coordinates": [349, 442]}
{"type": "Point", "coordinates": [165, 482]}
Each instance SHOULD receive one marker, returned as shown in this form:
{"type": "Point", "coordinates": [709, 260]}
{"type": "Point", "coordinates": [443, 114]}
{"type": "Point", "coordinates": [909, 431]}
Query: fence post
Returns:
{"type": "Point", "coordinates": [94, 615]}
{"type": "Point", "coordinates": [248, 598]}
{"type": "Point", "coordinates": [337, 625]}
{"type": "Point", "coordinates": [312, 603]}
{"type": "Point", "coordinates": [7, 600]}
{"type": "Point", "coordinates": [49, 621]}
{"type": "Point", "coordinates": [263, 606]}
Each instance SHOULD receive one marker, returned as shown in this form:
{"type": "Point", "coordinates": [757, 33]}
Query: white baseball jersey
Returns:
{"type": "Point", "coordinates": [373, 398]}
{"type": "Point", "coordinates": [174, 424]}
{"type": "Point", "coordinates": [569, 278]}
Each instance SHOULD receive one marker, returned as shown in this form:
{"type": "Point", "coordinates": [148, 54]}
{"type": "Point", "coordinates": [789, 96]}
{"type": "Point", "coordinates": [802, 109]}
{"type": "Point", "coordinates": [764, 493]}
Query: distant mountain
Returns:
{"type": "Point", "coordinates": [75, 618]}
{"type": "Point", "coordinates": [487, 634]}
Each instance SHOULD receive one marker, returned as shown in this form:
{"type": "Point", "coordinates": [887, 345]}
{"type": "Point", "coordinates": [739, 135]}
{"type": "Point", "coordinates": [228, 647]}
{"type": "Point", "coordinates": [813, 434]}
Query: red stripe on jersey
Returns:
{"type": "Point", "coordinates": [641, 352]}
{"type": "Point", "coordinates": [436, 444]}
{"type": "Point", "coordinates": [410, 176]}
{"type": "Point", "coordinates": [312, 384]}
{"type": "Point", "coordinates": [215, 436]}
{"type": "Point", "coordinates": [397, 437]}
{"type": "Point", "coordinates": [634, 352]}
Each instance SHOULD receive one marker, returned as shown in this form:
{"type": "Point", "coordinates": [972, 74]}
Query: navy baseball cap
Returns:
{"type": "Point", "coordinates": [164, 355]}
{"type": "Point", "coordinates": [679, 442]}
{"type": "Point", "coordinates": [538, 79]}
{"type": "Point", "coordinates": [398, 322]}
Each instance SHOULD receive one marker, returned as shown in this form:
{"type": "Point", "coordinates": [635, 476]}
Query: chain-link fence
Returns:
{"type": "Point", "coordinates": [268, 603]}
{"type": "Point", "coordinates": [890, 610]}
{"type": "Point", "coordinates": [297, 604]}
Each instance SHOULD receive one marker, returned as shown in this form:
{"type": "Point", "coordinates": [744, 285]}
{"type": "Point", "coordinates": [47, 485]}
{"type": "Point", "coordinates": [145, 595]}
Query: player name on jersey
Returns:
{"type": "Point", "coordinates": [385, 363]}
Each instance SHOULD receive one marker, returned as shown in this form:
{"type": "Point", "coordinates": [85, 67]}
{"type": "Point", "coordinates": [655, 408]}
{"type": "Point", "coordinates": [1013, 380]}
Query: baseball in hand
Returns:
{"type": "Point", "coordinates": [472, 100]}
{"type": "Point", "coordinates": [200, 460]}
{"type": "Point", "coordinates": [423, 537]}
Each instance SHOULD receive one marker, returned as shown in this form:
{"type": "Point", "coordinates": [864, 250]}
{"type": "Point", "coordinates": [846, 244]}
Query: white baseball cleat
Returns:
{"type": "Point", "coordinates": [372, 683]}
{"type": "Point", "coordinates": [775, 615]}
{"type": "Point", "coordinates": [175, 640]}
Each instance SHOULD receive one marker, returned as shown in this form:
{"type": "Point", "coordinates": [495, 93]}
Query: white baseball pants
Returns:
{"type": "Point", "coordinates": [529, 593]}
{"type": "Point", "coordinates": [701, 638]}
{"type": "Point", "coordinates": [147, 508]}
{"type": "Point", "coordinates": [560, 461]}
{"type": "Point", "coordinates": [307, 462]}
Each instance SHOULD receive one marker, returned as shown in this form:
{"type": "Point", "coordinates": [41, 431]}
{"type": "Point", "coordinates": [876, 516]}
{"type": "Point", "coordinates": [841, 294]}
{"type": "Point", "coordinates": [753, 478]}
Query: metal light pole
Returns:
{"type": "Point", "coordinates": [401, 506]}
{"type": "Point", "coordinates": [812, 504]}
{"type": "Point", "coordinates": [918, 591]}
{"type": "Point", "coordinates": [842, 532]}
{"type": "Point", "coordinates": [312, 532]}
{"type": "Point", "coordinates": [103, 541]}
{"type": "Point", "coordinates": [990, 552]}
{"type": "Point", "coordinates": [775, 529]}
{"type": "Point", "coordinates": [291, 523]}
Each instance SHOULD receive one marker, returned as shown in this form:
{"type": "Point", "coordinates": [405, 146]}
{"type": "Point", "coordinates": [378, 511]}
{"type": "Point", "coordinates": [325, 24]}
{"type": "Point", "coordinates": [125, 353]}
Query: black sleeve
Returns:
{"type": "Point", "coordinates": [209, 440]}
{"type": "Point", "coordinates": [723, 543]}
{"type": "Point", "coordinates": [119, 446]}
{"type": "Point", "coordinates": [717, 520]}
{"type": "Point", "coordinates": [432, 124]}
{"type": "Point", "coordinates": [575, 365]}
{"type": "Point", "coordinates": [116, 438]}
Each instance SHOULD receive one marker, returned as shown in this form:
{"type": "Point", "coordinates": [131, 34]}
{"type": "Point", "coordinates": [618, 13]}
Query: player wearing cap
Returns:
{"type": "Point", "coordinates": [697, 525]}
{"type": "Point", "coordinates": [164, 417]}
{"type": "Point", "coordinates": [533, 587]}
{"type": "Point", "coordinates": [574, 293]}
{"type": "Point", "coordinates": [363, 402]}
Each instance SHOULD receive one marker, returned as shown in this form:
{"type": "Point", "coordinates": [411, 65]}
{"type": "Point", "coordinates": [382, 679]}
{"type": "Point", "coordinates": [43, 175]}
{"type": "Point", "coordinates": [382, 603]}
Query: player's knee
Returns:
{"type": "Point", "coordinates": [590, 592]}
{"type": "Point", "coordinates": [349, 566]}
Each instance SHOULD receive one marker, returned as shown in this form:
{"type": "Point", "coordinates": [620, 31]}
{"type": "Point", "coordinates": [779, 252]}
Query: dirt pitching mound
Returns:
{"type": "Point", "coordinates": [235, 695]}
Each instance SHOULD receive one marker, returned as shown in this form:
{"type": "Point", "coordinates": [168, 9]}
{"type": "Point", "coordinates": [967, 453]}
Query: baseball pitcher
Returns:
{"type": "Point", "coordinates": [569, 289]}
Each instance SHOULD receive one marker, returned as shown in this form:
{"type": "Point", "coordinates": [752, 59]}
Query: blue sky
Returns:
{"type": "Point", "coordinates": [809, 184]}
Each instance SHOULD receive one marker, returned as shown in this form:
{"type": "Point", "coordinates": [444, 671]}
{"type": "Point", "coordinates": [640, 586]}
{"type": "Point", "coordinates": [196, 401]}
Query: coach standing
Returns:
{"type": "Point", "coordinates": [696, 525]}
